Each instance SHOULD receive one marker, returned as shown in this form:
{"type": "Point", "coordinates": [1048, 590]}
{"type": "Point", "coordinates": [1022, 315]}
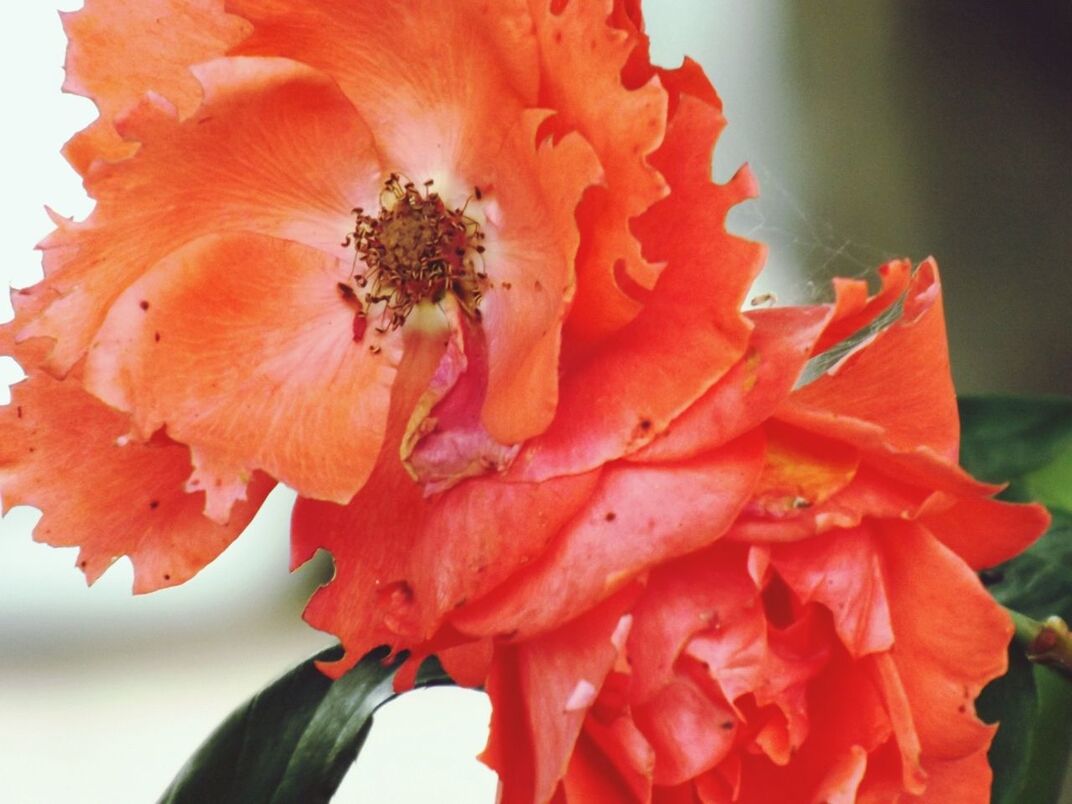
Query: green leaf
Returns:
{"type": "Point", "coordinates": [293, 742]}
{"type": "Point", "coordinates": [1003, 438]}
{"type": "Point", "coordinates": [1051, 744]}
{"type": "Point", "coordinates": [1011, 700]}
{"type": "Point", "coordinates": [1027, 443]}
{"type": "Point", "coordinates": [1038, 583]}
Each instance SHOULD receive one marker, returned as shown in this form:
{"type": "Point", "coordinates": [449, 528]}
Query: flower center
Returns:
{"type": "Point", "coordinates": [415, 250]}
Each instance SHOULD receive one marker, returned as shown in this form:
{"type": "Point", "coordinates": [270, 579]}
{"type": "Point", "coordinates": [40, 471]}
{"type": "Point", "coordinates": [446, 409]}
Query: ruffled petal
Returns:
{"type": "Point", "coordinates": [275, 148]}
{"type": "Point", "coordinates": [870, 494]}
{"type": "Point", "coordinates": [842, 571]}
{"type": "Point", "coordinates": [641, 380]}
{"type": "Point", "coordinates": [242, 347]}
{"type": "Point", "coordinates": [119, 50]}
{"type": "Point", "coordinates": [854, 309]}
{"type": "Point", "coordinates": [900, 380]}
{"type": "Point", "coordinates": [638, 517]}
{"type": "Point", "coordinates": [63, 451]}
{"type": "Point", "coordinates": [540, 691]}
{"type": "Point", "coordinates": [583, 56]}
{"type": "Point", "coordinates": [708, 592]}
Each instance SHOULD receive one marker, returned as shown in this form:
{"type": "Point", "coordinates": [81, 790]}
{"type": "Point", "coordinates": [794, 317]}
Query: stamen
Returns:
{"type": "Point", "coordinates": [415, 250]}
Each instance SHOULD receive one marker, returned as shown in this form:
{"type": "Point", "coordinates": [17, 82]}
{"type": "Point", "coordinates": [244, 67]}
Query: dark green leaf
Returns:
{"type": "Point", "coordinates": [1051, 745]}
{"type": "Point", "coordinates": [293, 742]}
{"type": "Point", "coordinates": [1012, 701]}
{"type": "Point", "coordinates": [1027, 443]}
{"type": "Point", "coordinates": [1004, 438]}
{"type": "Point", "coordinates": [1038, 583]}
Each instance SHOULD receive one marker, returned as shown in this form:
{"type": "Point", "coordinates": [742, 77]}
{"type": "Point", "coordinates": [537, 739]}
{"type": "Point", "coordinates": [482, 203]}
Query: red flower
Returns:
{"type": "Point", "coordinates": [519, 402]}
{"type": "Point", "coordinates": [532, 218]}
{"type": "Point", "coordinates": [805, 625]}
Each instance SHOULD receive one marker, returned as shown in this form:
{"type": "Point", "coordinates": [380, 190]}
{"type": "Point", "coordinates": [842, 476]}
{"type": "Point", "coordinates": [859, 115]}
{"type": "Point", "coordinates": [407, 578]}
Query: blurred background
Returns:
{"type": "Point", "coordinates": [876, 128]}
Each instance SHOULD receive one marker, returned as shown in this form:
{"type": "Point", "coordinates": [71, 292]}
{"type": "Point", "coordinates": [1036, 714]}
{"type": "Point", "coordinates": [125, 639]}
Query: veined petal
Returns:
{"type": "Point", "coordinates": [242, 347]}
{"type": "Point", "coordinates": [274, 148]}
{"type": "Point", "coordinates": [429, 99]}
{"type": "Point", "coordinates": [120, 50]}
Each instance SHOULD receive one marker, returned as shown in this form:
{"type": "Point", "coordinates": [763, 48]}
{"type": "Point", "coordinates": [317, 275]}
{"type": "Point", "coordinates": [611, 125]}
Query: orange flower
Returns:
{"type": "Point", "coordinates": [365, 248]}
{"type": "Point", "coordinates": [775, 601]}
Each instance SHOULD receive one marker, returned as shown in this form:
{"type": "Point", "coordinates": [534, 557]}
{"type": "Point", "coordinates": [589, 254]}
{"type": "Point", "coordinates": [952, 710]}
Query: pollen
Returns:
{"type": "Point", "coordinates": [416, 249]}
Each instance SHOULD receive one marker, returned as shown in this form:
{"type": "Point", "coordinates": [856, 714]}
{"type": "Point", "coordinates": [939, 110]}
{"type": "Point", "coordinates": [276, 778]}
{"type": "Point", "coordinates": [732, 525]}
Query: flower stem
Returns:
{"type": "Point", "coordinates": [1048, 642]}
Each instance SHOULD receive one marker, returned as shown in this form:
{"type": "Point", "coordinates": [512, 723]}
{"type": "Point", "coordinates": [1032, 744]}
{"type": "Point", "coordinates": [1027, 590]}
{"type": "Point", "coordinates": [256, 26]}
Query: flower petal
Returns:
{"type": "Point", "coordinates": [863, 385]}
{"type": "Point", "coordinates": [854, 309]}
{"type": "Point", "coordinates": [710, 590]}
{"type": "Point", "coordinates": [119, 50]}
{"type": "Point", "coordinates": [531, 244]}
{"type": "Point", "coordinates": [781, 343]}
{"type": "Point", "coordinates": [62, 450]}
{"type": "Point", "coordinates": [274, 148]}
{"type": "Point", "coordinates": [537, 711]}
{"type": "Point", "coordinates": [842, 571]}
{"type": "Point", "coordinates": [610, 762]}
{"type": "Point", "coordinates": [641, 381]}
{"type": "Point", "coordinates": [583, 56]}
{"type": "Point", "coordinates": [636, 518]}
{"type": "Point", "coordinates": [242, 346]}
{"type": "Point", "coordinates": [985, 532]}
{"type": "Point", "coordinates": [428, 99]}
{"type": "Point", "coordinates": [951, 639]}
{"type": "Point", "coordinates": [403, 560]}
{"type": "Point", "coordinates": [690, 731]}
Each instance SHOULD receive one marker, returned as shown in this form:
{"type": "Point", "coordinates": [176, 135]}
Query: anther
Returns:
{"type": "Point", "coordinates": [416, 250]}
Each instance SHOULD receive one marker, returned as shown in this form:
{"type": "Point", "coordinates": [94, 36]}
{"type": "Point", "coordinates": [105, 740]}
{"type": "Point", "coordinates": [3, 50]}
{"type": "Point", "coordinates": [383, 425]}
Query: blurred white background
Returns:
{"type": "Point", "coordinates": [873, 128]}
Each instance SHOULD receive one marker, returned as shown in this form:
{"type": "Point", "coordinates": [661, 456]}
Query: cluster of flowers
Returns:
{"type": "Point", "coordinates": [564, 462]}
